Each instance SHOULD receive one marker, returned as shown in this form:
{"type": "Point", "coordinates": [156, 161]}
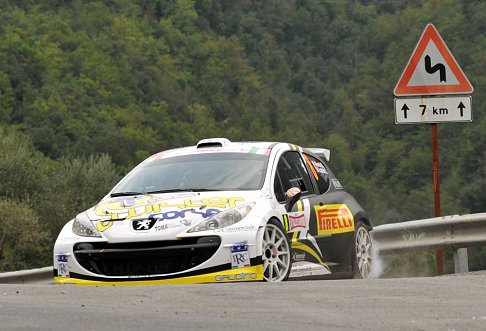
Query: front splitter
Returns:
{"type": "Point", "coordinates": [253, 273]}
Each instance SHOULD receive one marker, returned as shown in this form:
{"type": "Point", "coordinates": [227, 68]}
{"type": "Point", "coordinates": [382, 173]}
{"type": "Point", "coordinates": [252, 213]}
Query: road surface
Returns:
{"type": "Point", "coordinates": [455, 302]}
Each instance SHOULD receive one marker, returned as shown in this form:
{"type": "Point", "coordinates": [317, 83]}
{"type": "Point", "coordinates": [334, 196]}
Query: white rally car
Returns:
{"type": "Point", "coordinates": [219, 211]}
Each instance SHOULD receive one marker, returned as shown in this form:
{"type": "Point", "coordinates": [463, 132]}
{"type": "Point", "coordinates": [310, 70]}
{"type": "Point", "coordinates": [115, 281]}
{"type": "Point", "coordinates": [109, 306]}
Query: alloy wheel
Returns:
{"type": "Point", "coordinates": [364, 252]}
{"type": "Point", "coordinates": [276, 254]}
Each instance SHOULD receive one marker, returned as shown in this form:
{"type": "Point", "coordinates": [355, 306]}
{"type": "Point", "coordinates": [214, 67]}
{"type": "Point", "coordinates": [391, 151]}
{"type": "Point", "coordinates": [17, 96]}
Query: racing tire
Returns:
{"type": "Point", "coordinates": [276, 255]}
{"type": "Point", "coordinates": [363, 253]}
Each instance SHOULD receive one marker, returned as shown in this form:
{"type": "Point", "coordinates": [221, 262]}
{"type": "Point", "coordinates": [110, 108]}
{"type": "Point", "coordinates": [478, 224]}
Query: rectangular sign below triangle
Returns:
{"type": "Point", "coordinates": [432, 70]}
{"type": "Point", "coordinates": [441, 109]}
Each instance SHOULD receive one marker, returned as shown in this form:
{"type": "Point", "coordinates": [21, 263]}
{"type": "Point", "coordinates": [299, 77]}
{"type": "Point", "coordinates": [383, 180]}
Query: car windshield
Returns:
{"type": "Point", "coordinates": [197, 172]}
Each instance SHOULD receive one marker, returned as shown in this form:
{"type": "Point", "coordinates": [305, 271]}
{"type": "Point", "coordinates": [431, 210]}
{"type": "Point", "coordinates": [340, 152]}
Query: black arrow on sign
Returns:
{"type": "Point", "coordinates": [438, 67]}
{"type": "Point", "coordinates": [405, 108]}
{"type": "Point", "coordinates": [461, 108]}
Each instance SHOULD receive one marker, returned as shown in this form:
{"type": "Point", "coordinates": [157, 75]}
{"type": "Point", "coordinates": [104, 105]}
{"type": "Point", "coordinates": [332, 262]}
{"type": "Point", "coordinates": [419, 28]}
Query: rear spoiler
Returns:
{"type": "Point", "coordinates": [321, 152]}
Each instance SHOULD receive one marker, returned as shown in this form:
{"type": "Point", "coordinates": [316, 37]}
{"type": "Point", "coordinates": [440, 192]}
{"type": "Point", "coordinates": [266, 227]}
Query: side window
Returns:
{"type": "Point", "coordinates": [291, 172]}
{"type": "Point", "coordinates": [319, 172]}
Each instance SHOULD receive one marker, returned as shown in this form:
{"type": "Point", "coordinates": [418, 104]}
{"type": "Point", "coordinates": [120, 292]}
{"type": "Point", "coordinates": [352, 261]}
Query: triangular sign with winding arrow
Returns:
{"type": "Point", "coordinates": [432, 70]}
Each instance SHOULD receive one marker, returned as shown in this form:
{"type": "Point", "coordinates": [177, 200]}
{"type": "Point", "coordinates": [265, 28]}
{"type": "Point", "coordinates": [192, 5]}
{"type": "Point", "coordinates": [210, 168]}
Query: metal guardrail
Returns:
{"type": "Point", "coordinates": [40, 275]}
{"type": "Point", "coordinates": [458, 232]}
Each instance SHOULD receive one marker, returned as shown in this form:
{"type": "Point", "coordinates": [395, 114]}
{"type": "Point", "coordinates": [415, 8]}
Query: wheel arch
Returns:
{"type": "Point", "coordinates": [277, 221]}
{"type": "Point", "coordinates": [272, 219]}
{"type": "Point", "coordinates": [362, 217]}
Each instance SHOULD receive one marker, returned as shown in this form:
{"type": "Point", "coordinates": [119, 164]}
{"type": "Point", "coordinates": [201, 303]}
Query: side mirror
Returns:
{"type": "Point", "coordinates": [291, 201]}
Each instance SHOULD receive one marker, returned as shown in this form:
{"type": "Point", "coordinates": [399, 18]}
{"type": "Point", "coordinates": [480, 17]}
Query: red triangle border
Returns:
{"type": "Point", "coordinates": [402, 88]}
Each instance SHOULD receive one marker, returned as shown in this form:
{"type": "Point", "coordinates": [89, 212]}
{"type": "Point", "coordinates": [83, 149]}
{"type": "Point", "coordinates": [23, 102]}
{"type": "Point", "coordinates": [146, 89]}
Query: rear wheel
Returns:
{"type": "Point", "coordinates": [275, 254]}
{"type": "Point", "coordinates": [363, 253]}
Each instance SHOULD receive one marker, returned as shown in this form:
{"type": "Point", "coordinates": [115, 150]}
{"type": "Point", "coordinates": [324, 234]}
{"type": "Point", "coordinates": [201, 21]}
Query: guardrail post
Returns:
{"type": "Point", "coordinates": [460, 260]}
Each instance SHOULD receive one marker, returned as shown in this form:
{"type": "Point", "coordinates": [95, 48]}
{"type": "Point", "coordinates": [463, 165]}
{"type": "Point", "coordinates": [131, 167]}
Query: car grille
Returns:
{"type": "Point", "coordinates": [145, 258]}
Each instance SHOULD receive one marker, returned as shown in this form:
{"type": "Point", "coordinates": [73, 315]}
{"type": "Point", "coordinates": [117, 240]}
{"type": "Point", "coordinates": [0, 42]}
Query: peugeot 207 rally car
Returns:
{"type": "Point", "coordinates": [219, 211]}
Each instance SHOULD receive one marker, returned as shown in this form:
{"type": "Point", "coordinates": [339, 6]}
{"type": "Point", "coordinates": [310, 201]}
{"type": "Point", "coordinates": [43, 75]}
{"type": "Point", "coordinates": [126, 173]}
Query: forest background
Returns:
{"type": "Point", "coordinates": [90, 88]}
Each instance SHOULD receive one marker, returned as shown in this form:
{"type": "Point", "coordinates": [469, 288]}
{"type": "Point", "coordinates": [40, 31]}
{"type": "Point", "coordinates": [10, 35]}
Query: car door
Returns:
{"type": "Point", "coordinates": [331, 222]}
{"type": "Point", "coordinates": [300, 221]}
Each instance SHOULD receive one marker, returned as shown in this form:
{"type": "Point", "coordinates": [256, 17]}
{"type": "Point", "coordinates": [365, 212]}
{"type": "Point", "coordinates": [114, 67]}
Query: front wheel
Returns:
{"type": "Point", "coordinates": [275, 254]}
{"type": "Point", "coordinates": [363, 253]}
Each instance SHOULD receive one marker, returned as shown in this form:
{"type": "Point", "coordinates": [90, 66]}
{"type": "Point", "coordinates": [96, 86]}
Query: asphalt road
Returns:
{"type": "Point", "coordinates": [438, 303]}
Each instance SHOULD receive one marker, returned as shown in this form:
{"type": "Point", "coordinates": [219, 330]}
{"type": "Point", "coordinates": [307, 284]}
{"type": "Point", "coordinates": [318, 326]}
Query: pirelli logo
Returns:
{"type": "Point", "coordinates": [333, 219]}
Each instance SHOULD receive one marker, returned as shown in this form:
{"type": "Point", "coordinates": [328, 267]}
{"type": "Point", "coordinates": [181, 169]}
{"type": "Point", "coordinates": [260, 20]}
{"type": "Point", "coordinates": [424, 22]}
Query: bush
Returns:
{"type": "Point", "coordinates": [24, 241]}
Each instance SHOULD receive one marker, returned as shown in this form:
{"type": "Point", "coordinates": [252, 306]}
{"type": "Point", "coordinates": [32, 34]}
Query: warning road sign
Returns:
{"type": "Point", "coordinates": [432, 70]}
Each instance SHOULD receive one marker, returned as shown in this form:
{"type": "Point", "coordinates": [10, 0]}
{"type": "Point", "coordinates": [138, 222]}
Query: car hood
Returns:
{"type": "Point", "coordinates": [161, 216]}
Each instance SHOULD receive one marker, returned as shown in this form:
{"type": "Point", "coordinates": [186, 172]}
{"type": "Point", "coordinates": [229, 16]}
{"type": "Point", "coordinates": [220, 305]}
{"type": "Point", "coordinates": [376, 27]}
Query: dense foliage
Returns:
{"type": "Point", "coordinates": [80, 80]}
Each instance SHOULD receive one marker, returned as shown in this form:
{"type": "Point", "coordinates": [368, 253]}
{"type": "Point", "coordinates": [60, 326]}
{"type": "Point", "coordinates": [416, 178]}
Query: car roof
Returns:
{"type": "Point", "coordinates": [224, 145]}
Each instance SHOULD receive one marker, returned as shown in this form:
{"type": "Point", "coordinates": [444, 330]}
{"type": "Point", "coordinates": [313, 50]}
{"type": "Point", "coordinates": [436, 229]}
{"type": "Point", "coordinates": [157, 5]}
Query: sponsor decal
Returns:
{"type": "Point", "coordinates": [62, 265]}
{"type": "Point", "coordinates": [166, 226]}
{"type": "Point", "coordinates": [319, 167]}
{"type": "Point", "coordinates": [236, 277]}
{"type": "Point", "coordinates": [232, 149]}
{"type": "Point", "coordinates": [155, 199]}
{"type": "Point", "coordinates": [143, 206]}
{"type": "Point", "coordinates": [337, 185]}
{"type": "Point", "coordinates": [256, 150]}
{"type": "Point", "coordinates": [252, 273]}
{"type": "Point", "coordinates": [303, 269]}
{"type": "Point", "coordinates": [297, 257]}
{"type": "Point", "coordinates": [186, 222]}
{"type": "Point", "coordinates": [117, 211]}
{"type": "Point", "coordinates": [129, 202]}
{"type": "Point", "coordinates": [297, 222]}
{"type": "Point", "coordinates": [175, 214]}
{"type": "Point", "coordinates": [147, 224]}
{"type": "Point", "coordinates": [104, 225]}
{"type": "Point", "coordinates": [138, 276]}
{"type": "Point", "coordinates": [245, 228]}
{"type": "Point", "coordinates": [143, 225]}
{"type": "Point", "coordinates": [216, 202]}
{"type": "Point", "coordinates": [240, 257]}
{"type": "Point", "coordinates": [332, 219]}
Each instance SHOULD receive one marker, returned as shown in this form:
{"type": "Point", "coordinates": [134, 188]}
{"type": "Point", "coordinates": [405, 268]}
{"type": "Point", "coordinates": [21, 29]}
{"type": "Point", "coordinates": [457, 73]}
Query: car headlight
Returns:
{"type": "Point", "coordinates": [82, 226]}
{"type": "Point", "coordinates": [225, 218]}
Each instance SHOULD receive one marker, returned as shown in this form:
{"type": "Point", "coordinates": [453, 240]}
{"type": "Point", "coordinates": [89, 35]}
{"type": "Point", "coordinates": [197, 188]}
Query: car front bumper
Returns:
{"type": "Point", "coordinates": [207, 258]}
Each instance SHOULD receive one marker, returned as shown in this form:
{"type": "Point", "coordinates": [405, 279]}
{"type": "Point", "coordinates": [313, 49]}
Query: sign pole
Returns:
{"type": "Point", "coordinates": [438, 84]}
{"type": "Point", "coordinates": [436, 178]}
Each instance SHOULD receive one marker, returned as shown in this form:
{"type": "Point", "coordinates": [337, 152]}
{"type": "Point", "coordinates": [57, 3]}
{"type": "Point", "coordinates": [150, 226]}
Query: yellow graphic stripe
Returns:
{"type": "Point", "coordinates": [300, 207]}
{"type": "Point", "coordinates": [294, 148]}
{"type": "Point", "coordinates": [252, 273]}
{"type": "Point", "coordinates": [299, 245]}
{"type": "Point", "coordinates": [286, 222]}
{"type": "Point", "coordinates": [305, 248]}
